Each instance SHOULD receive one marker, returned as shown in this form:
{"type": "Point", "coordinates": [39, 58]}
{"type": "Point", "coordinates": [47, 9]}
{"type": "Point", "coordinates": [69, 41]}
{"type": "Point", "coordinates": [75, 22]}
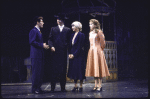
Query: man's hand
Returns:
{"type": "Point", "coordinates": [45, 46]}
{"type": "Point", "coordinates": [53, 49]}
{"type": "Point", "coordinates": [71, 56]}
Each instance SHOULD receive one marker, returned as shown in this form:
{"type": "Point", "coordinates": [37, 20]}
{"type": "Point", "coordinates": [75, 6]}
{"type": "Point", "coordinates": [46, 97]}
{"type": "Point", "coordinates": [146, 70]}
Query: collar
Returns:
{"type": "Point", "coordinates": [37, 28]}
{"type": "Point", "coordinates": [60, 26]}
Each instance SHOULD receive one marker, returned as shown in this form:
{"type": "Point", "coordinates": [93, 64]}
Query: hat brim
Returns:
{"type": "Point", "coordinates": [60, 17]}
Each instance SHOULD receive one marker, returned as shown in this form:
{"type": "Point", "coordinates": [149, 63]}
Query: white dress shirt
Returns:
{"type": "Point", "coordinates": [61, 27]}
{"type": "Point", "coordinates": [37, 28]}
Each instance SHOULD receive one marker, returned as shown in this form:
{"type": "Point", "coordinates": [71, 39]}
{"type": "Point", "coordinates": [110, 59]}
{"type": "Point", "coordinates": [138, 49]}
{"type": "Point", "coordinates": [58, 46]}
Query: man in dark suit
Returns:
{"type": "Point", "coordinates": [58, 41]}
{"type": "Point", "coordinates": [37, 55]}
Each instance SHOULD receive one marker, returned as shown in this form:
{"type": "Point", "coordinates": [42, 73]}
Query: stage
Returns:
{"type": "Point", "coordinates": [129, 88]}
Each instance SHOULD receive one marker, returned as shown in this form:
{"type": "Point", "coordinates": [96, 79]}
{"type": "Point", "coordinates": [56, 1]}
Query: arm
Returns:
{"type": "Point", "coordinates": [102, 39]}
{"type": "Point", "coordinates": [69, 50]}
{"type": "Point", "coordinates": [32, 39]}
{"type": "Point", "coordinates": [68, 38]}
{"type": "Point", "coordinates": [50, 38]}
{"type": "Point", "coordinates": [80, 45]}
{"type": "Point", "coordinates": [69, 46]}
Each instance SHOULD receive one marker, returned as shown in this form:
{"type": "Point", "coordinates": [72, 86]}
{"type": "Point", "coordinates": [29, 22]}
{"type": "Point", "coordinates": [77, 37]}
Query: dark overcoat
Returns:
{"type": "Point", "coordinates": [77, 64]}
{"type": "Point", "coordinates": [59, 40]}
{"type": "Point", "coordinates": [36, 55]}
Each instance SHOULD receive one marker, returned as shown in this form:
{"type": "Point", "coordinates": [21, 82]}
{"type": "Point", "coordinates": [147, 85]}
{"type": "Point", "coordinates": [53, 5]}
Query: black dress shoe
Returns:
{"type": "Point", "coordinates": [80, 89]}
{"type": "Point", "coordinates": [94, 89]}
{"type": "Point", "coordinates": [41, 91]}
{"type": "Point", "coordinates": [38, 92]}
{"type": "Point", "coordinates": [99, 90]}
{"type": "Point", "coordinates": [52, 90]}
{"type": "Point", "coordinates": [74, 89]}
{"type": "Point", "coordinates": [32, 91]}
{"type": "Point", "coordinates": [64, 90]}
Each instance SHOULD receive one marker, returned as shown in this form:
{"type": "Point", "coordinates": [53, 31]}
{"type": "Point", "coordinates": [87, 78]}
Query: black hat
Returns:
{"type": "Point", "coordinates": [61, 17]}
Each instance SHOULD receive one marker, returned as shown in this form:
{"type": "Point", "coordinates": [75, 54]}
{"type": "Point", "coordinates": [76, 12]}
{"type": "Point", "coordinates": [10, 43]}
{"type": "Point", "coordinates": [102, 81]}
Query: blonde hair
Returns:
{"type": "Point", "coordinates": [77, 24]}
{"type": "Point", "coordinates": [96, 23]}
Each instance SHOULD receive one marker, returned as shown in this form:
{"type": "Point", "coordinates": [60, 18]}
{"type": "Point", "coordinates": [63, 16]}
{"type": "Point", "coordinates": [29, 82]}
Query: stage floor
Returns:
{"type": "Point", "coordinates": [120, 89]}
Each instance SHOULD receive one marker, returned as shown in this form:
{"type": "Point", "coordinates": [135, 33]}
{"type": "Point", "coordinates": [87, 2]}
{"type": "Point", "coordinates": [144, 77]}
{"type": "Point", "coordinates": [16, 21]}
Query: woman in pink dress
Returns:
{"type": "Point", "coordinates": [96, 64]}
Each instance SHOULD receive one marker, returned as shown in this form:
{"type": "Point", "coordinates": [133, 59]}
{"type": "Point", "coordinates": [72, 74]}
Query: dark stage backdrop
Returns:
{"type": "Point", "coordinates": [132, 38]}
{"type": "Point", "coordinates": [16, 22]}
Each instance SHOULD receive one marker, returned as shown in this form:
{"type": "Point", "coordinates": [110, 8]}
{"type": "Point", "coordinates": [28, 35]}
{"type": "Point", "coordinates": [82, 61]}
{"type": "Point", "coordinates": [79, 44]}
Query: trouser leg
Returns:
{"type": "Point", "coordinates": [37, 73]}
{"type": "Point", "coordinates": [63, 81]}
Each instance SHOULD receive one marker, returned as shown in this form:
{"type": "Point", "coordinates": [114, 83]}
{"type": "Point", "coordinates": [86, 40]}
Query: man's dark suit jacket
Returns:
{"type": "Point", "coordinates": [36, 43]}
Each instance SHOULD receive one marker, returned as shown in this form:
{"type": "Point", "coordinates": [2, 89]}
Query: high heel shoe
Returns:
{"type": "Point", "coordinates": [99, 89]}
{"type": "Point", "coordinates": [94, 89]}
{"type": "Point", "coordinates": [74, 89]}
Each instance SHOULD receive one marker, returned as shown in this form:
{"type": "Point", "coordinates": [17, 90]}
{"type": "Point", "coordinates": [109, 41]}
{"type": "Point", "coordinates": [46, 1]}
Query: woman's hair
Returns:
{"type": "Point", "coordinates": [96, 23]}
{"type": "Point", "coordinates": [77, 24]}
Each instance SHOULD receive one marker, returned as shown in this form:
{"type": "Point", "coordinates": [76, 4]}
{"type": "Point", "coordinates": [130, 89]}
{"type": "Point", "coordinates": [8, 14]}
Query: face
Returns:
{"type": "Point", "coordinates": [41, 23]}
{"type": "Point", "coordinates": [74, 28]}
{"type": "Point", "coordinates": [91, 25]}
{"type": "Point", "coordinates": [59, 22]}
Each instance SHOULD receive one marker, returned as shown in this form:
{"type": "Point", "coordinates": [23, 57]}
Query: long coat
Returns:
{"type": "Point", "coordinates": [37, 55]}
{"type": "Point", "coordinates": [77, 64]}
{"type": "Point", "coordinates": [60, 41]}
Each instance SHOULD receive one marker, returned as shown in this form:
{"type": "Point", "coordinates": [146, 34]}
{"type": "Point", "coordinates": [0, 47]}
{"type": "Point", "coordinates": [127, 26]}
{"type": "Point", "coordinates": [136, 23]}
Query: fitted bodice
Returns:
{"type": "Point", "coordinates": [92, 39]}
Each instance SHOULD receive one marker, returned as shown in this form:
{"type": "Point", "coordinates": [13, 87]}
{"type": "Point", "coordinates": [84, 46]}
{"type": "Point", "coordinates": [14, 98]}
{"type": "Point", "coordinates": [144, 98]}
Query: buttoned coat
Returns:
{"type": "Point", "coordinates": [36, 43]}
{"type": "Point", "coordinates": [36, 55]}
{"type": "Point", "coordinates": [77, 64]}
{"type": "Point", "coordinates": [59, 40]}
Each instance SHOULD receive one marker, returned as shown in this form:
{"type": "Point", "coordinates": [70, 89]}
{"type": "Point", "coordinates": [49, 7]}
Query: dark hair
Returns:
{"type": "Point", "coordinates": [61, 20]}
{"type": "Point", "coordinates": [37, 19]}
